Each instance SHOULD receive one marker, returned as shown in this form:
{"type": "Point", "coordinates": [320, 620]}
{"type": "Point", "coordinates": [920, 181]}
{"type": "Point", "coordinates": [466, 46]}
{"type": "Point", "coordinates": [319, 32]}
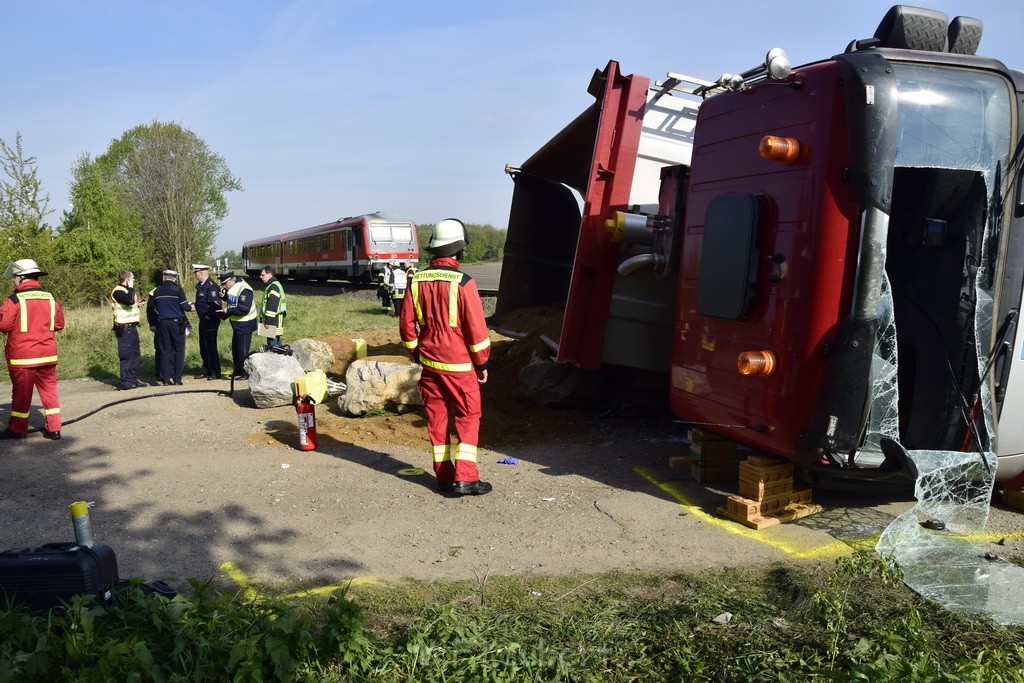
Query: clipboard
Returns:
{"type": "Point", "coordinates": [269, 331]}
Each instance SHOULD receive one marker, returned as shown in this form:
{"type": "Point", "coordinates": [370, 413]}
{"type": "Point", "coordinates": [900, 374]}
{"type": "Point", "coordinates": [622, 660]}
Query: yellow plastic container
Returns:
{"type": "Point", "coordinates": [312, 384]}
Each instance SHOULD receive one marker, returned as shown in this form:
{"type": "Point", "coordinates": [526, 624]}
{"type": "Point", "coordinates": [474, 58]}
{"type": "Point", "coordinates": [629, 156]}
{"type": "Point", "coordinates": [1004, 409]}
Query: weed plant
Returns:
{"type": "Point", "coordinates": [855, 622]}
{"type": "Point", "coordinates": [88, 350]}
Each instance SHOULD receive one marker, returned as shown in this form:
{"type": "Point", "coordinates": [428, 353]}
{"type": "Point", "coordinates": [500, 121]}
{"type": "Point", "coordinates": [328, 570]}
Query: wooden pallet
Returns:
{"type": "Point", "coordinates": [790, 513]}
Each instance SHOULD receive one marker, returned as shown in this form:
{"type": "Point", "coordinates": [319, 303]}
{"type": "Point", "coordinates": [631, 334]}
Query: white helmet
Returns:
{"type": "Point", "coordinates": [25, 266]}
{"type": "Point", "coordinates": [449, 237]}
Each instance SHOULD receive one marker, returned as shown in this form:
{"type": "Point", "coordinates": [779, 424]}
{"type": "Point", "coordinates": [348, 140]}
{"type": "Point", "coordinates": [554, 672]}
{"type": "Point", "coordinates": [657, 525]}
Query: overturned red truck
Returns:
{"type": "Point", "coordinates": [826, 261]}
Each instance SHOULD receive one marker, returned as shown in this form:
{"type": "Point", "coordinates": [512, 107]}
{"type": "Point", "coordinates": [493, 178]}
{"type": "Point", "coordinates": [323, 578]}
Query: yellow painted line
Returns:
{"type": "Point", "coordinates": [245, 583]}
{"type": "Point", "coordinates": [827, 550]}
{"type": "Point", "coordinates": [990, 537]}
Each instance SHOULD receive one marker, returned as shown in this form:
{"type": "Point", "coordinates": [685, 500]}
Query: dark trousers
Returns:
{"type": "Point", "coordinates": [171, 338]}
{"type": "Point", "coordinates": [208, 346]}
{"type": "Point", "coordinates": [128, 353]}
{"type": "Point", "coordinates": [240, 343]}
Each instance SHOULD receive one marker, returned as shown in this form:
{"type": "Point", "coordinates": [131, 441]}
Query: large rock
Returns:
{"type": "Point", "coordinates": [270, 378]}
{"type": "Point", "coordinates": [312, 354]}
{"type": "Point", "coordinates": [377, 385]}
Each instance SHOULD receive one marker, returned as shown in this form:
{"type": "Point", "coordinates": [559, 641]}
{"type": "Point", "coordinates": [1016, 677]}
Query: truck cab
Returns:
{"type": "Point", "coordinates": [829, 265]}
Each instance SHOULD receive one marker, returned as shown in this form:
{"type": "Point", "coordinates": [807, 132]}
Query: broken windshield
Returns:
{"type": "Point", "coordinates": [951, 118]}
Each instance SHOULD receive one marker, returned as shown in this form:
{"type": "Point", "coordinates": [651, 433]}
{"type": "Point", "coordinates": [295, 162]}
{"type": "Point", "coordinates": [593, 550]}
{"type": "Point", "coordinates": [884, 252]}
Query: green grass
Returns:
{"type": "Point", "coordinates": [88, 350]}
{"type": "Point", "coordinates": [853, 622]}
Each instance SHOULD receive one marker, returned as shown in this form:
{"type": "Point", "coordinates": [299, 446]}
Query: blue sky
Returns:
{"type": "Point", "coordinates": [326, 109]}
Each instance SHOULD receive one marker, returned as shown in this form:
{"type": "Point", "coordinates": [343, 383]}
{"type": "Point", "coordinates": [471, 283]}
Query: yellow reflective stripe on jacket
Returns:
{"type": "Point", "coordinates": [453, 278]}
{"type": "Point", "coordinates": [442, 453]}
{"type": "Point", "coordinates": [450, 367]}
{"type": "Point", "coordinates": [124, 315]}
{"type": "Point", "coordinates": [32, 361]}
{"type": "Point", "coordinates": [453, 304]}
{"type": "Point", "coordinates": [481, 346]}
{"type": "Point", "coordinates": [233, 294]}
{"type": "Point", "coordinates": [36, 296]}
{"type": "Point", "coordinates": [412, 344]}
{"type": "Point", "coordinates": [465, 451]}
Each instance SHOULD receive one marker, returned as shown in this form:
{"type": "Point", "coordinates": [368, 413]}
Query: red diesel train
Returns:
{"type": "Point", "coordinates": [354, 249]}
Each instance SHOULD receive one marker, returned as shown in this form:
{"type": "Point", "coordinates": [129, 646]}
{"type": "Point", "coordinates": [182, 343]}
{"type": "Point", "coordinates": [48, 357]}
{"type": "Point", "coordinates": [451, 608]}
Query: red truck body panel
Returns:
{"type": "Point", "coordinates": [809, 218]}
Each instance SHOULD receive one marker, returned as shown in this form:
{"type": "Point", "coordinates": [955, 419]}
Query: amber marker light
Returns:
{"type": "Point", "coordinates": [756, 363]}
{"type": "Point", "coordinates": [783, 150]}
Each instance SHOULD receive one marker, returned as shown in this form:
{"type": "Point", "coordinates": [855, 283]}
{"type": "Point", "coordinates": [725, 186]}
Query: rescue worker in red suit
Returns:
{"type": "Point", "coordinates": [442, 326]}
{"type": "Point", "coordinates": [30, 317]}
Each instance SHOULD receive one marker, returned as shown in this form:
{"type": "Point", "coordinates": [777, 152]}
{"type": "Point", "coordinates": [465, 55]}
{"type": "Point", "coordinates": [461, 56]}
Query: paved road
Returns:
{"type": "Point", "coordinates": [194, 483]}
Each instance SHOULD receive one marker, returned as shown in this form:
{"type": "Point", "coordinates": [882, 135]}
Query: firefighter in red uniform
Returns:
{"type": "Point", "coordinates": [30, 317]}
{"type": "Point", "coordinates": [442, 325]}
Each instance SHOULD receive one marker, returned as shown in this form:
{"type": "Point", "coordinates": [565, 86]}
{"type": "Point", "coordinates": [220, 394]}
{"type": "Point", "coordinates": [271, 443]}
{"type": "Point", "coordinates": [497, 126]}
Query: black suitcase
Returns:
{"type": "Point", "coordinates": [44, 576]}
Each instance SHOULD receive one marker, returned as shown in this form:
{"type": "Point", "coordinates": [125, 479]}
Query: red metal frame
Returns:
{"type": "Point", "coordinates": [611, 177]}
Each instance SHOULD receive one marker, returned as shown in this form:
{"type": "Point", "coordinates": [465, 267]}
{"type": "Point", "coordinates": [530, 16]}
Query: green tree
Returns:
{"type": "Point", "coordinates": [99, 236]}
{"type": "Point", "coordinates": [23, 207]}
{"type": "Point", "coordinates": [486, 243]}
{"type": "Point", "coordinates": [169, 178]}
{"type": "Point", "coordinates": [232, 258]}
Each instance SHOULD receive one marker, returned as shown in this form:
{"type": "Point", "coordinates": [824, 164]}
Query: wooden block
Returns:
{"type": "Point", "coordinates": [738, 505]}
{"type": "Point", "coordinates": [706, 474]}
{"type": "Point", "coordinates": [703, 435]}
{"type": "Point", "coordinates": [765, 473]}
{"type": "Point", "coordinates": [758, 490]}
{"type": "Point", "coordinates": [716, 449]}
{"type": "Point", "coordinates": [676, 461]}
{"type": "Point", "coordinates": [1014, 498]}
{"type": "Point", "coordinates": [796, 511]}
{"type": "Point", "coordinates": [765, 460]}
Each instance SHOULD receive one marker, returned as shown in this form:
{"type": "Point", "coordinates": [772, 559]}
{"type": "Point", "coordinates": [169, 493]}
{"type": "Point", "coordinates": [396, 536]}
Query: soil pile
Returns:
{"type": "Point", "coordinates": [510, 418]}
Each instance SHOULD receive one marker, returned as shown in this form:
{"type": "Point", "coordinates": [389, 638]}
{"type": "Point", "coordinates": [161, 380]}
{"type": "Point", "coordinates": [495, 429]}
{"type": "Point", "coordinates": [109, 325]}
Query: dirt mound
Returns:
{"type": "Point", "coordinates": [509, 417]}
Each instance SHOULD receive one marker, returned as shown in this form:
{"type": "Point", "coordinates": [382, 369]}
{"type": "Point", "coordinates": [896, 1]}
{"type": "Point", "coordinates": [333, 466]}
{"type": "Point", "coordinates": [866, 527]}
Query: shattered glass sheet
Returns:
{"type": "Point", "coordinates": [954, 488]}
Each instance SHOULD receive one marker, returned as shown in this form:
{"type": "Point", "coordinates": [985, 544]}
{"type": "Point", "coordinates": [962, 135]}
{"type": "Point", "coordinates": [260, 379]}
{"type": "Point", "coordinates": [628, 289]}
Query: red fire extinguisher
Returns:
{"type": "Point", "coordinates": [307, 423]}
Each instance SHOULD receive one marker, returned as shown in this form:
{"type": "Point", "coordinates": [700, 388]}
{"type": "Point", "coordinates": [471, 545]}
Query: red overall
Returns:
{"type": "Point", "coordinates": [442, 326]}
{"type": "Point", "coordinates": [30, 317]}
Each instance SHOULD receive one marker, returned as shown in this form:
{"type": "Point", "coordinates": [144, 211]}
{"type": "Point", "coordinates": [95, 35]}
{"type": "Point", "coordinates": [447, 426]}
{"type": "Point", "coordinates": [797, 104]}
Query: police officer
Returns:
{"type": "Point", "coordinates": [124, 305]}
{"type": "Point", "coordinates": [240, 308]}
{"type": "Point", "coordinates": [273, 308]}
{"type": "Point", "coordinates": [208, 304]}
{"type": "Point", "coordinates": [169, 308]}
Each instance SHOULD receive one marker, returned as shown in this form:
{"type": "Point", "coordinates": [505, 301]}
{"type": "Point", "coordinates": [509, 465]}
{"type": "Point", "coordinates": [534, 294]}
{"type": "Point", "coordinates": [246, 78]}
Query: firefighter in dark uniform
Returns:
{"type": "Point", "coordinates": [124, 304]}
{"type": "Point", "coordinates": [169, 309]}
{"type": "Point", "coordinates": [384, 289]}
{"type": "Point", "coordinates": [239, 306]}
{"type": "Point", "coordinates": [208, 304]}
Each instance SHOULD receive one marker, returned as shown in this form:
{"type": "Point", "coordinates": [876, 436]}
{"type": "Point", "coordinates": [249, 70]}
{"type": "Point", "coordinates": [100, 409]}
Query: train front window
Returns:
{"type": "Point", "coordinates": [387, 234]}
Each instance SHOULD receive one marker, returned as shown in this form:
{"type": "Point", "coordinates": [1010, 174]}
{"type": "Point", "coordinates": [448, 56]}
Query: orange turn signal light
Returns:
{"type": "Point", "coordinates": [756, 363]}
{"type": "Point", "coordinates": [776, 148]}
